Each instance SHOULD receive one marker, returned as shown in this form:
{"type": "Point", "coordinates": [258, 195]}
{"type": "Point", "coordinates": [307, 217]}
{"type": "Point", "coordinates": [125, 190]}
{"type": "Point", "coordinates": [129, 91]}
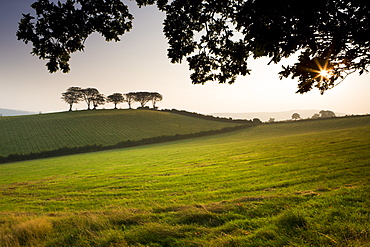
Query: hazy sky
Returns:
{"type": "Point", "coordinates": [139, 63]}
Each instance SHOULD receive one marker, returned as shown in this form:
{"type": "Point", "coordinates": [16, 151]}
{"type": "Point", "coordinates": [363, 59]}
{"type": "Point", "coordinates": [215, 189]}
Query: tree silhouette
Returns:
{"type": "Point", "coordinates": [326, 114]}
{"type": "Point", "coordinates": [88, 94]}
{"type": "Point", "coordinates": [97, 100]}
{"type": "Point", "coordinates": [72, 96]}
{"type": "Point", "coordinates": [218, 37]}
{"type": "Point", "coordinates": [143, 97]}
{"type": "Point", "coordinates": [256, 121]}
{"type": "Point", "coordinates": [115, 98]}
{"type": "Point", "coordinates": [129, 98]}
{"type": "Point", "coordinates": [155, 97]}
{"type": "Point", "coordinates": [296, 116]}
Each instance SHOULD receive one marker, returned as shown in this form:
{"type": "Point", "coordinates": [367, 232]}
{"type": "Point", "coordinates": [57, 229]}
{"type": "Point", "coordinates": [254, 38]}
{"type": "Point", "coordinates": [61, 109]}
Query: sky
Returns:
{"type": "Point", "coordinates": [139, 63]}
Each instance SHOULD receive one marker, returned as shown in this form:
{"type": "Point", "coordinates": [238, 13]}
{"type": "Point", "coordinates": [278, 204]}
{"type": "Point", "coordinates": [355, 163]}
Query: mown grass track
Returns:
{"type": "Point", "coordinates": [37, 133]}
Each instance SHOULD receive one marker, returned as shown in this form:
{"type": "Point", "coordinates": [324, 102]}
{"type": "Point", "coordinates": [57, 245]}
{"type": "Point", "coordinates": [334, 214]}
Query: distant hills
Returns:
{"type": "Point", "coordinates": [265, 116]}
{"type": "Point", "coordinates": [9, 112]}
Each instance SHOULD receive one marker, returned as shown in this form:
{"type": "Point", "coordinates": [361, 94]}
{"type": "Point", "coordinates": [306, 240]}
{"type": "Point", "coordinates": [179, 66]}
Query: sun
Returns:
{"type": "Point", "coordinates": [324, 69]}
{"type": "Point", "coordinates": [325, 73]}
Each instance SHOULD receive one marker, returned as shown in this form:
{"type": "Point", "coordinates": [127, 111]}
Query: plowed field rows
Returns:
{"type": "Point", "coordinates": [37, 133]}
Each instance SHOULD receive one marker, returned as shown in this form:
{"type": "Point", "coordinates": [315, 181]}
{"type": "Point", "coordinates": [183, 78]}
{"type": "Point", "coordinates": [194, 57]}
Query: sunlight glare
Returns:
{"type": "Point", "coordinates": [325, 73]}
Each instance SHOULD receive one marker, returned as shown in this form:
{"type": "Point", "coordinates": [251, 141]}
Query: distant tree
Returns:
{"type": "Point", "coordinates": [97, 100]}
{"type": "Point", "coordinates": [115, 98]}
{"type": "Point", "coordinates": [296, 116]}
{"type": "Point", "coordinates": [88, 95]}
{"type": "Point", "coordinates": [130, 98]}
{"type": "Point", "coordinates": [326, 114]}
{"type": "Point", "coordinates": [143, 98]}
{"type": "Point", "coordinates": [155, 97]}
{"type": "Point", "coordinates": [271, 120]}
{"type": "Point", "coordinates": [72, 96]}
{"type": "Point", "coordinates": [315, 116]}
{"type": "Point", "coordinates": [256, 120]}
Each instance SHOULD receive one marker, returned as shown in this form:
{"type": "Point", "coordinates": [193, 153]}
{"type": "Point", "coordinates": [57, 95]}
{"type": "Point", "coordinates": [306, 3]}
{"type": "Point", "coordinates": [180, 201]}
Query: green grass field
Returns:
{"type": "Point", "coordinates": [302, 183]}
{"type": "Point", "coordinates": [37, 133]}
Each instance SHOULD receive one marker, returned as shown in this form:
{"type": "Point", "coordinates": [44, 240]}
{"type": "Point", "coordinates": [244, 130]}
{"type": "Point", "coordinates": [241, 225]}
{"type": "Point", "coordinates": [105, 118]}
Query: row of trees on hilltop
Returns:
{"type": "Point", "coordinates": [93, 98]}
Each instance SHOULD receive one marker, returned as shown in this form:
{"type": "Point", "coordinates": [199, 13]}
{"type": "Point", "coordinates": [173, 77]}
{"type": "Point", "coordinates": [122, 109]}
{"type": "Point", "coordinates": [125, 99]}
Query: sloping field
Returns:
{"type": "Point", "coordinates": [303, 183]}
{"type": "Point", "coordinates": [37, 133]}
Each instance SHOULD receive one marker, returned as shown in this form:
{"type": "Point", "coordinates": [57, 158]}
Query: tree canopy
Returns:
{"type": "Point", "coordinates": [155, 97]}
{"type": "Point", "coordinates": [130, 98]}
{"type": "Point", "coordinates": [326, 114]}
{"type": "Point", "coordinates": [296, 116]}
{"type": "Point", "coordinates": [89, 95]}
{"type": "Point", "coordinates": [115, 98]}
{"type": "Point", "coordinates": [144, 97]}
{"type": "Point", "coordinates": [72, 96]}
{"type": "Point", "coordinates": [217, 38]}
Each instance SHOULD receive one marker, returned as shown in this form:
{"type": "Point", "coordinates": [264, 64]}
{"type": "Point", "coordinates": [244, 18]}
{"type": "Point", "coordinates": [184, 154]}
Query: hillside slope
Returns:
{"type": "Point", "coordinates": [38, 133]}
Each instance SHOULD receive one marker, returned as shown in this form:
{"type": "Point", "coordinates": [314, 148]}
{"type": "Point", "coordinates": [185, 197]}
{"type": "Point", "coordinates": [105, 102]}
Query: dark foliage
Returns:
{"type": "Point", "coordinates": [144, 97]}
{"type": "Point", "coordinates": [60, 29]}
{"type": "Point", "coordinates": [115, 98]}
{"type": "Point", "coordinates": [218, 37]}
{"type": "Point", "coordinates": [332, 36]}
{"type": "Point", "coordinates": [72, 96]}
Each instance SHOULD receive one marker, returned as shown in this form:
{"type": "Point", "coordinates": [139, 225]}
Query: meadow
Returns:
{"type": "Point", "coordinates": [303, 183]}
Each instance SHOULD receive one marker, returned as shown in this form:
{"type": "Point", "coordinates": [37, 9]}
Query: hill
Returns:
{"type": "Point", "coordinates": [9, 112]}
{"type": "Point", "coordinates": [67, 130]}
{"type": "Point", "coordinates": [303, 183]}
